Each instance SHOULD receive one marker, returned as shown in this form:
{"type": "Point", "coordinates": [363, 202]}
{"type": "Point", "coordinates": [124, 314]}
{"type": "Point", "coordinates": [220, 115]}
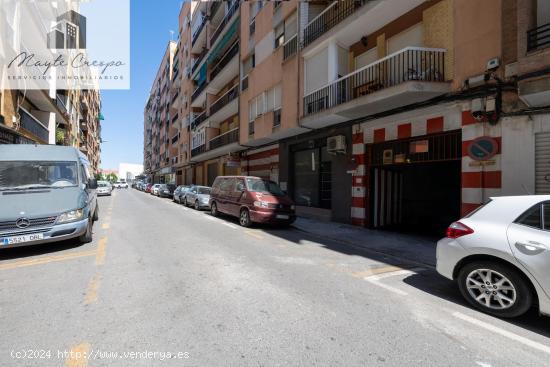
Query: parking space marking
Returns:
{"type": "Point", "coordinates": [230, 225]}
{"type": "Point", "coordinates": [78, 355]}
{"type": "Point", "coordinates": [91, 292]}
{"type": "Point", "coordinates": [386, 287]}
{"type": "Point", "coordinates": [255, 235]}
{"type": "Point", "coordinates": [375, 279]}
{"type": "Point", "coordinates": [46, 259]}
{"type": "Point", "coordinates": [502, 332]}
{"type": "Point", "coordinates": [100, 253]}
{"type": "Point", "coordinates": [375, 271]}
{"type": "Point", "coordinates": [105, 226]}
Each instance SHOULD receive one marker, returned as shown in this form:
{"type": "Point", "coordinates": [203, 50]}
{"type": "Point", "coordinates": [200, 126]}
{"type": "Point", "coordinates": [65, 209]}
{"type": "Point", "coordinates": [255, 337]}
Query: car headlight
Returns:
{"type": "Point", "coordinates": [261, 204]}
{"type": "Point", "coordinates": [71, 216]}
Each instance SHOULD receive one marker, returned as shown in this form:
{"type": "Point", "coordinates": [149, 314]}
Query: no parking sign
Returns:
{"type": "Point", "coordinates": [483, 148]}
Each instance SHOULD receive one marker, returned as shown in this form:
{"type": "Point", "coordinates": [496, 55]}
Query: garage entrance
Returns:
{"type": "Point", "coordinates": [415, 183]}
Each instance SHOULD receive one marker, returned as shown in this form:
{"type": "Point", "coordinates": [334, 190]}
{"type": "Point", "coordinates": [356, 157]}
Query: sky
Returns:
{"type": "Point", "coordinates": [122, 130]}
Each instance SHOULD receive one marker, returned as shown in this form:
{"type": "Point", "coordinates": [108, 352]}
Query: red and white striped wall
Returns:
{"type": "Point", "coordinates": [263, 162]}
{"type": "Point", "coordinates": [478, 183]}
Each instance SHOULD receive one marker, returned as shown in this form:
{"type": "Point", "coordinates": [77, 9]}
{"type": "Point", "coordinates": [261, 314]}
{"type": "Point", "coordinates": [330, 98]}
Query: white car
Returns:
{"type": "Point", "coordinates": [155, 189]}
{"type": "Point", "coordinates": [120, 185]}
{"type": "Point", "coordinates": [104, 188]}
{"type": "Point", "coordinates": [500, 255]}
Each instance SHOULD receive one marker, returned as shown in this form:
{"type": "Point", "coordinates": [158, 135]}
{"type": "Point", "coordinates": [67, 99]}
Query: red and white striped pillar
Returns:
{"type": "Point", "coordinates": [359, 179]}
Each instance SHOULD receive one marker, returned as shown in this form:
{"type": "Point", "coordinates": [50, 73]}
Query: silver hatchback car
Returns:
{"type": "Point", "coordinates": [500, 255]}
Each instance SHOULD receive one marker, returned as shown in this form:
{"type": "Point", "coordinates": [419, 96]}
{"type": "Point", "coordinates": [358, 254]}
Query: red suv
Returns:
{"type": "Point", "coordinates": [252, 200]}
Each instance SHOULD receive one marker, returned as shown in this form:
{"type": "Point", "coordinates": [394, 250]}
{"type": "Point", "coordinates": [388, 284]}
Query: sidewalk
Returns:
{"type": "Point", "coordinates": [411, 247]}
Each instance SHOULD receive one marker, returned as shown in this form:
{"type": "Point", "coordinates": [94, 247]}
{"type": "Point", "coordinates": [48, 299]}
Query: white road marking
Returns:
{"type": "Point", "coordinates": [375, 279]}
{"type": "Point", "coordinates": [386, 287]}
{"type": "Point", "coordinates": [506, 334]}
{"type": "Point", "coordinates": [229, 225]}
{"type": "Point", "coordinates": [210, 218]}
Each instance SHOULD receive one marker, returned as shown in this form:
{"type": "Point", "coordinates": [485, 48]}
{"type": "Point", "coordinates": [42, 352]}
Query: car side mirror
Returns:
{"type": "Point", "coordinates": [92, 183]}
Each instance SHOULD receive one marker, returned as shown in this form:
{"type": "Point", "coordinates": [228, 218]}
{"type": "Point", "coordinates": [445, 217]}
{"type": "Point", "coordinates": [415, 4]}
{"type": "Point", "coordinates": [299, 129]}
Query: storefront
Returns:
{"type": "Point", "coordinates": [317, 176]}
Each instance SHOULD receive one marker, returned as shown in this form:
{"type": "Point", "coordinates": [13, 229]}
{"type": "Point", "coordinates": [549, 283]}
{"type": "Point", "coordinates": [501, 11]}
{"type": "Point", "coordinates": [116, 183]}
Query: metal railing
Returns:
{"type": "Point", "coordinates": [199, 119]}
{"type": "Point", "coordinates": [232, 136]}
{"type": "Point", "coordinates": [198, 150]}
{"type": "Point", "coordinates": [199, 60]}
{"type": "Point", "coordinates": [60, 102]}
{"type": "Point", "coordinates": [198, 91]}
{"type": "Point", "coordinates": [224, 100]}
{"type": "Point", "coordinates": [290, 47]}
{"type": "Point", "coordinates": [251, 127]}
{"type": "Point", "coordinates": [411, 63]}
{"type": "Point", "coordinates": [230, 12]}
{"type": "Point", "coordinates": [331, 16]}
{"type": "Point", "coordinates": [538, 37]}
{"type": "Point", "coordinates": [233, 50]}
{"type": "Point", "coordinates": [32, 125]}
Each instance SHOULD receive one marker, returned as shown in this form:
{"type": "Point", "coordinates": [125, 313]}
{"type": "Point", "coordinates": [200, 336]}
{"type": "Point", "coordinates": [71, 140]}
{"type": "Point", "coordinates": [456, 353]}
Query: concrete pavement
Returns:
{"type": "Point", "coordinates": [160, 278]}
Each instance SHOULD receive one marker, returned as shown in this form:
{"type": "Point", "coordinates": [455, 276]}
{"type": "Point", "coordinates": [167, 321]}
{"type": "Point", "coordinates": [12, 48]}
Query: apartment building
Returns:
{"type": "Point", "coordinates": [381, 113]}
{"type": "Point", "coordinates": [158, 122]}
{"type": "Point", "coordinates": [68, 117]}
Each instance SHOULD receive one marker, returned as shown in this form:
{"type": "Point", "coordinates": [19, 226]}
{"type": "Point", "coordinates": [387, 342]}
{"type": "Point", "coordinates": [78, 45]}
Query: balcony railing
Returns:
{"type": "Point", "coordinates": [199, 60]}
{"type": "Point", "coordinates": [195, 35]}
{"type": "Point", "coordinates": [32, 125]}
{"type": "Point", "coordinates": [538, 37]}
{"type": "Point", "coordinates": [198, 91]}
{"type": "Point", "coordinates": [199, 120]}
{"type": "Point", "coordinates": [331, 16]}
{"type": "Point", "coordinates": [290, 47]}
{"type": "Point", "coordinates": [60, 102]}
{"type": "Point", "coordinates": [224, 100]}
{"type": "Point", "coordinates": [232, 136]}
{"type": "Point", "coordinates": [234, 50]}
{"type": "Point", "coordinates": [198, 150]}
{"type": "Point", "coordinates": [232, 10]}
{"type": "Point", "coordinates": [411, 63]}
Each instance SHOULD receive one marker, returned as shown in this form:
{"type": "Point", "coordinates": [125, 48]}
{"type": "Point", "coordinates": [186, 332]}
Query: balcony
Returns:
{"type": "Point", "coordinates": [176, 100]}
{"type": "Point", "coordinates": [331, 16]}
{"type": "Point", "coordinates": [199, 119]}
{"type": "Point", "coordinates": [232, 136]}
{"type": "Point", "coordinates": [33, 126]}
{"type": "Point", "coordinates": [195, 102]}
{"type": "Point", "coordinates": [290, 47]}
{"type": "Point", "coordinates": [198, 38]}
{"type": "Point", "coordinates": [412, 75]}
{"type": "Point", "coordinates": [225, 106]}
{"type": "Point", "coordinates": [225, 70]}
{"type": "Point", "coordinates": [226, 20]}
{"type": "Point", "coordinates": [198, 60]}
{"type": "Point", "coordinates": [538, 37]}
{"type": "Point", "coordinates": [198, 150]}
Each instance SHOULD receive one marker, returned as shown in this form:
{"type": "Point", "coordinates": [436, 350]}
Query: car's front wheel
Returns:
{"type": "Point", "coordinates": [87, 236]}
{"type": "Point", "coordinates": [495, 288]}
{"type": "Point", "coordinates": [244, 218]}
{"type": "Point", "coordinates": [197, 206]}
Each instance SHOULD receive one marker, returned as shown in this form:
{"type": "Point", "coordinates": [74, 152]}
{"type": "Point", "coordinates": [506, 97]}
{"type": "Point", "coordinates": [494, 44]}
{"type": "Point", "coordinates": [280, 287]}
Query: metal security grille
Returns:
{"type": "Point", "coordinates": [542, 163]}
{"type": "Point", "coordinates": [440, 147]}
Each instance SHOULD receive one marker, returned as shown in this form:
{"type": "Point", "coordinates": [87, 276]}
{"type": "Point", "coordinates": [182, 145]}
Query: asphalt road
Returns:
{"type": "Point", "coordinates": [162, 285]}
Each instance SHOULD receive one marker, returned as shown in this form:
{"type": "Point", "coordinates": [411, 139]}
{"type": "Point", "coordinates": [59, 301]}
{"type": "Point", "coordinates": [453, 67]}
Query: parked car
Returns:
{"type": "Point", "coordinates": [166, 190]}
{"type": "Point", "coordinates": [198, 197]}
{"type": "Point", "coordinates": [47, 195]}
{"type": "Point", "coordinates": [148, 188]}
{"type": "Point", "coordinates": [104, 188]}
{"type": "Point", "coordinates": [252, 200]}
{"type": "Point", "coordinates": [179, 193]}
{"type": "Point", "coordinates": [500, 255]}
{"type": "Point", "coordinates": [155, 189]}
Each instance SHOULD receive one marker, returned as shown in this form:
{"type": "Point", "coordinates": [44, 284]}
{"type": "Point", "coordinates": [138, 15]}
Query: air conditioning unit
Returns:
{"type": "Point", "coordinates": [336, 144]}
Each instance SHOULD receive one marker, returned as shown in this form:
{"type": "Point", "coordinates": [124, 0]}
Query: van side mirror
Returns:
{"type": "Point", "coordinates": [92, 183]}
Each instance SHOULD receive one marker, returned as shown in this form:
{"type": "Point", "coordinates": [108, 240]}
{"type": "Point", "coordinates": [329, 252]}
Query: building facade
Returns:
{"type": "Point", "coordinates": [386, 114]}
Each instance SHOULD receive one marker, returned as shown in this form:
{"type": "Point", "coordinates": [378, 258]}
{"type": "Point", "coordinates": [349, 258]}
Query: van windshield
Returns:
{"type": "Point", "coordinates": [21, 175]}
{"type": "Point", "coordinates": [264, 186]}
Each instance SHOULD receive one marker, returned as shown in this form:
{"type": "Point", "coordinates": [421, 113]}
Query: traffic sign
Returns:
{"type": "Point", "coordinates": [483, 148]}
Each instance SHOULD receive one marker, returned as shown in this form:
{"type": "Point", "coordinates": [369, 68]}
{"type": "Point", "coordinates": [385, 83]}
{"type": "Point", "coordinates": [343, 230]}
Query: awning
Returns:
{"type": "Point", "coordinates": [224, 41]}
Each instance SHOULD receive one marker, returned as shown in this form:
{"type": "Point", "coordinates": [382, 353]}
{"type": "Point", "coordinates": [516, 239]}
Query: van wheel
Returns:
{"type": "Point", "coordinates": [214, 209]}
{"type": "Point", "coordinates": [87, 236]}
{"type": "Point", "coordinates": [495, 289]}
{"type": "Point", "coordinates": [96, 213]}
{"type": "Point", "coordinates": [244, 218]}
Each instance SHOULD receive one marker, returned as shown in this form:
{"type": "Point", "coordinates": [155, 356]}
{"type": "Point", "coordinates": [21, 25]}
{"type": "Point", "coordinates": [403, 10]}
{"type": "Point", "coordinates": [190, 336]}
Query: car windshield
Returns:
{"type": "Point", "coordinates": [264, 187]}
{"type": "Point", "coordinates": [204, 190]}
{"type": "Point", "coordinates": [37, 174]}
{"type": "Point", "coordinates": [102, 184]}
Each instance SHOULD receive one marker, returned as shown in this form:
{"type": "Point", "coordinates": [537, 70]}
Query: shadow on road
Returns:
{"type": "Point", "coordinates": [36, 250]}
{"type": "Point", "coordinates": [431, 283]}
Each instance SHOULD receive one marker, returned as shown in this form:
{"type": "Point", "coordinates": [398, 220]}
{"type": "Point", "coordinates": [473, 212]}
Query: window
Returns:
{"type": "Point", "coordinates": [239, 186]}
{"type": "Point", "coordinates": [291, 26]}
{"type": "Point", "coordinates": [531, 218]}
{"type": "Point", "coordinates": [279, 35]}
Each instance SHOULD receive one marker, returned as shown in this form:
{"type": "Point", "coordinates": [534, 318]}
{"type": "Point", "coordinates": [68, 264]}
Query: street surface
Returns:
{"type": "Point", "coordinates": [161, 281]}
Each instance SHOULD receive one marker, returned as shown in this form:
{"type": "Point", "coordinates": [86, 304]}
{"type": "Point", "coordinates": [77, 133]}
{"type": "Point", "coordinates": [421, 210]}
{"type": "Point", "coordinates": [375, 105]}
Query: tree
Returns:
{"type": "Point", "coordinates": [111, 177]}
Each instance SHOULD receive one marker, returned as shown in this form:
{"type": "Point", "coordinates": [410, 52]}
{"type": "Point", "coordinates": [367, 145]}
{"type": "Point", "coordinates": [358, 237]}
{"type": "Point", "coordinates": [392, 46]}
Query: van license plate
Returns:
{"type": "Point", "coordinates": [282, 216]}
{"type": "Point", "coordinates": [20, 239]}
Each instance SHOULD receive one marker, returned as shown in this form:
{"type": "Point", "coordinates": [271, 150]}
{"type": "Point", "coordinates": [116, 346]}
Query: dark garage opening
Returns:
{"type": "Point", "coordinates": [418, 188]}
